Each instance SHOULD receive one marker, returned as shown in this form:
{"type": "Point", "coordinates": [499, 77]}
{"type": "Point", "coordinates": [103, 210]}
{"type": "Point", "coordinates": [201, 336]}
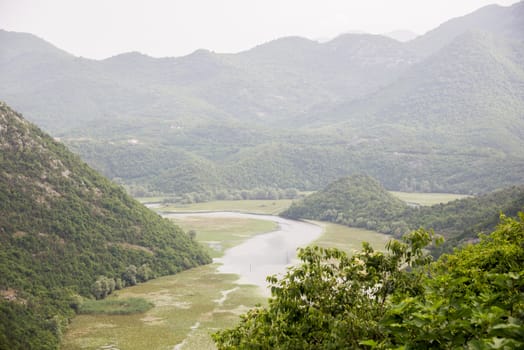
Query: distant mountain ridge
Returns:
{"type": "Point", "coordinates": [501, 21]}
{"type": "Point", "coordinates": [249, 78]}
{"type": "Point", "coordinates": [451, 88]}
{"type": "Point", "coordinates": [16, 45]}
{"type": "Point", "coordinates": [436, 111]}
{"type": "Point", "coordinates": [402, 35]}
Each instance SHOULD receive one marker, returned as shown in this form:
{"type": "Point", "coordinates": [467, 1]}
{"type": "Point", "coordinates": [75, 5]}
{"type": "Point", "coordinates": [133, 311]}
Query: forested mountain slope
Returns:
{"type": "Point", "coordinates": [501, 21]}
{"type": "Point", "coordinates": [469, 94]}
{"type": "Point", "coordinates": [432, 114]}
{"type": "Point", "coordinates": [360, 201]}
{"type": "Point", "coordinates": [61, 226]}
{"type": "Point", "coordinates": [461, 221]}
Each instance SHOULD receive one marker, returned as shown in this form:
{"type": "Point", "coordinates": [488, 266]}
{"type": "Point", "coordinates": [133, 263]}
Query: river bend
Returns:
{"type": "Point", "coordinates": [265, 254]}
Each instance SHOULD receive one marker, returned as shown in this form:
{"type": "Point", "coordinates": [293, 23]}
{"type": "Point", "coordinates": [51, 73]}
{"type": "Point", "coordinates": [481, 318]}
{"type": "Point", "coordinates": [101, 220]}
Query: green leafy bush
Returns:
{"type": "Point", "coordinates": [472, 298]}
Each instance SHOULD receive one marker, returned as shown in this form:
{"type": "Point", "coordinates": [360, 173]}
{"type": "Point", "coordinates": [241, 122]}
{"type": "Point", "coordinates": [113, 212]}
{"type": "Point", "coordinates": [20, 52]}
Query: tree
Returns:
{"type": "Point", "coordinates": [474, 298]}
{"type": "Point", "coordinates": [97, 289]}
{"type": "Point", "coordinates": [129, 275]}
{"type": "Point", "coordinates": [144, 273]}
{"type": "Point", "coordinates": [470, 299]}
{"type": "Point", "coordinates": [102, 287]}
{"type": "Point", "coordinates": [119, 283]}
{"type": "Point", "coordinates": [331, 300]}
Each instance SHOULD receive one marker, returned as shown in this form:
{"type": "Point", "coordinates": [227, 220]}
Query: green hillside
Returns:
{"type": "Point", "coordinates": [453, 121]}
{"type": "Point", "coordinates": [475, 82]}
{"type": "Point", "coordinates": [61, 226]}
{"type": "Point", "coordinates": [358, 201]}
{"type": "Point", "coordinates": [361, 201]}
{"type": "Point", "coordinates": [460, 221]}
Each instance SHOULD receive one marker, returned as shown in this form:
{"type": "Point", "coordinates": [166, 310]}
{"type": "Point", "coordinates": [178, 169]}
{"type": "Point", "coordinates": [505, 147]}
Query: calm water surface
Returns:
{"type": "Point", "coordinates": [265, 254]}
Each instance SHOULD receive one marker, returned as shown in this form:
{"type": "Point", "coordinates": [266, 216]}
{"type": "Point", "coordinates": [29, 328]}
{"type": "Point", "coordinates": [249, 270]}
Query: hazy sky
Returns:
{"type": "Point", "coordinates": [103, 28]}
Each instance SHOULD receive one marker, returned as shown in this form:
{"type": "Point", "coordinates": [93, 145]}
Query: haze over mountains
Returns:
{"type": "Point", "coordinates": [442, 112]}
{"type": "Point", "coordinates": [401, 35]}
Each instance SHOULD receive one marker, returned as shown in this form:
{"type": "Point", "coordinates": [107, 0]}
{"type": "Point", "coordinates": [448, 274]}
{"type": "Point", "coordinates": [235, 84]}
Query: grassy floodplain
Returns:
{"type": "Point", "coordinates": [191, 305]}
{"type": "Point", "coordinates": [427, 199]}
{"type": "Point", "coordinates": [274, 207]}
{"type": "Point", "coordinates": [187, 306]}
{"type": "Point", "coordinates": [263, 206]}
{"type": "Point", "coordinates": [349, 239]}
{"type": "Point", "coordinates": [220, 234]}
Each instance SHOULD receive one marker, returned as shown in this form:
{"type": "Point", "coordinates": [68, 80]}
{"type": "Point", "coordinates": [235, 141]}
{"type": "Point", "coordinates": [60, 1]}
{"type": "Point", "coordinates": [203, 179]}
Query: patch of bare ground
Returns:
{"type": "Point", "coordinates": [133, 247]}
{"type": "Point", "coordinates": [152, 320]}
{"type": "Point", "coordinates": [11, 295]}
{"type": "Point", "coordinates": [19, 234]}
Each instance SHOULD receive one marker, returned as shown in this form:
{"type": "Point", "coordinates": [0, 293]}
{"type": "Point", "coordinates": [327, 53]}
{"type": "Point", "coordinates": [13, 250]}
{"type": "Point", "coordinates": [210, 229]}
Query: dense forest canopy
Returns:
{"type": "Point", "coordinates": [62, 225]}
{"type": "Point", "coordinates": [357, 200]}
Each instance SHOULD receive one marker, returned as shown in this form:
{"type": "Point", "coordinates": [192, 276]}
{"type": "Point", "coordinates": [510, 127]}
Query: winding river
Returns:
{"type": "Point", "coordinates": [265, 254]}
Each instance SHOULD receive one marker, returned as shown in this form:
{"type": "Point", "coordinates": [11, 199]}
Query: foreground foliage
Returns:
{"type": "Point", "coordinates": [472, 298]}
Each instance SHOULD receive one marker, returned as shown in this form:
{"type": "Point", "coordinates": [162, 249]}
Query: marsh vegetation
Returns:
{"type": "Point", "coordinates": [191, 305]}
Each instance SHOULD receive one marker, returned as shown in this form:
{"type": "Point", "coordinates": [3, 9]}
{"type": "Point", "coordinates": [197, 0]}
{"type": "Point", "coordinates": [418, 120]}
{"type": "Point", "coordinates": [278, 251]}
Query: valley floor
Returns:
{"type": "Point", "coordinates": [193, 304]}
